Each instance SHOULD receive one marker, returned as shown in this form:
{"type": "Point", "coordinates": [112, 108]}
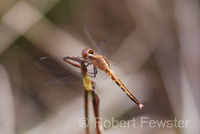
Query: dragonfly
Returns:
{"type": "Point", "coordinates": [99, 62]}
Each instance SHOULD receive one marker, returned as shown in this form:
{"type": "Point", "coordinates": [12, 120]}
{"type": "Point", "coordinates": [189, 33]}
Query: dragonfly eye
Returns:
{"type": "Point", "coordinates": [90, 51]}
{"type": "Point", "coordinates": [86, 52]}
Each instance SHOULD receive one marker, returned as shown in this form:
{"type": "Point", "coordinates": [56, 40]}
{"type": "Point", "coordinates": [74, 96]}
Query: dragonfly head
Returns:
{"type": "Point", "coordinates": [86, 53]}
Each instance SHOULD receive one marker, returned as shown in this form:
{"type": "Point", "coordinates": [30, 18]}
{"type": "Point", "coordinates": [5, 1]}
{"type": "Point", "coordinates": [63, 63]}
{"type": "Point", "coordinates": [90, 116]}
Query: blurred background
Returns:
{"type": "Point", "coordinates": [153, 46]}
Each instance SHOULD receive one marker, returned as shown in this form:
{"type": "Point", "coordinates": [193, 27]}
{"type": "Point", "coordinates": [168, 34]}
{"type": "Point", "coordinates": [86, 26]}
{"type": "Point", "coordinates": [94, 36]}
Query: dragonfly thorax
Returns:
{"type": "Point", "coordinates": [98, 61]}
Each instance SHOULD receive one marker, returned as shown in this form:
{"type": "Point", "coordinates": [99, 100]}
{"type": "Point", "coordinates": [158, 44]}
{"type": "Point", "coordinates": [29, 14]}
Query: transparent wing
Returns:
{"type": "Point", "coordinates": [100, 47]}
{"type": "Point", "coordinates": [103, 45]}
{"type": "Point", "coordinates": [54, 64]}
{"type": "Point", "coordinates": [57, 65]}
{"type": "Point", "coordinates": [100, 75]}
{"type": "Point", "coordinates": [63, 80]}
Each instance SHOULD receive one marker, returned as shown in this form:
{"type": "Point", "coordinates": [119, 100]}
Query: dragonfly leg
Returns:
{"type": "Point", "coordinates": [69, 59]}
{"type": "Point", "coordinates": [93, 85]}
{"type": "Point", "coordinates": [88, 63]}
{"type": "Point", "coordinates": [95, 72]}
{"type": "Point", "coordinates": [78, 59]}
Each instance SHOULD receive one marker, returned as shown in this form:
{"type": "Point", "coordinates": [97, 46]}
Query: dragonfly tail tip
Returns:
{"type": "Point", "coordinates": [141, 106]}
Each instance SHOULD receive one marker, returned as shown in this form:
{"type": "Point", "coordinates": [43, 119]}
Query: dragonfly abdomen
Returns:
{"type": "Point", "coordinates": [114, 77]}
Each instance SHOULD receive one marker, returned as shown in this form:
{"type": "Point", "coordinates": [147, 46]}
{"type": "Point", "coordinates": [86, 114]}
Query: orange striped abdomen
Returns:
{"type": "Point", "coordinates": [114, 77]}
